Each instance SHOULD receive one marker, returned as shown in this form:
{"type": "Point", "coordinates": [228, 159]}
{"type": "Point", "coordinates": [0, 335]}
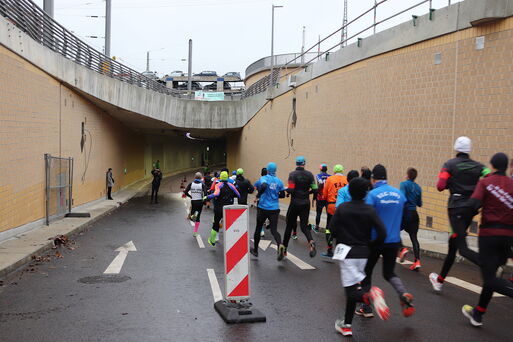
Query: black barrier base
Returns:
{"type": "Point", "coordinates": [238, 312]}
{"type": "Point", "coordinates": [77, 215]}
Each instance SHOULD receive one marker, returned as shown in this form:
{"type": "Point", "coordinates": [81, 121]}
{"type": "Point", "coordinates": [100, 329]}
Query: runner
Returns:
{"type": "Point", "coordinates": [207, 179]}
{"type": "Point", "coordinates": [321, 202]}
{"type": "Point", "coordinates": [271, 189]}
{"type": "Point", "coordinates": [413, 193]}
{"type": "Point", "coordinates": [351, 226]}
{"type": "Point", "coordinates": [330, 191]}
{"type": "Point", "coordinates": [301, 185]}
{"type": "Point", "coordinates": [460, 175]}
{"type": "Point", "coordinates": [233, 176]}
{"type": "Point", "coordinates": [244, 186]}
{"type": "Point", "coordinates": [389, 204]}
{"type": "Point", "coordinates": [343, 194]}
{"type": "Point", "coordinates": [196, 191]}
{"type": "Point", "coordinates": [495, 195]}
{"type": "Point", "coordinates": [223, 195]}
{"type": "Point", "coordinates": [257, 186]}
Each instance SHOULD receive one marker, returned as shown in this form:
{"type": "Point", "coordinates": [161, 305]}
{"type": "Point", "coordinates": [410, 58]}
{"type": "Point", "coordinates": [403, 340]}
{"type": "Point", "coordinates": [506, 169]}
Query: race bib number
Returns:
{"type": "Point", "coordinates": [341, 252]}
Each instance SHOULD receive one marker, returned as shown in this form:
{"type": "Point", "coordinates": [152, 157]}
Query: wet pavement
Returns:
{"type": "Point", "coordinates": [163, 291]}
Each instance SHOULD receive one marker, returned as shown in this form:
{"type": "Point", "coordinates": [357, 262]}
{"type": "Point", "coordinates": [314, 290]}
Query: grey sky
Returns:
{"type": "Point", "coordinates": [228, 35]}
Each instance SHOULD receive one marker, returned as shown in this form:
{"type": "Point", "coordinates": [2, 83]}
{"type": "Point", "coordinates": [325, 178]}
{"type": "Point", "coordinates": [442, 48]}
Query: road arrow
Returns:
{"type": "Point", "coordinates": [116, 264]}
{"type": "Point", "coordinates": [264, 244]}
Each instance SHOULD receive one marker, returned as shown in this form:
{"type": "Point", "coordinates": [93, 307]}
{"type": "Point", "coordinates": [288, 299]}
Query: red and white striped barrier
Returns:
{"type": "Point", "coordinates": [236, 252]}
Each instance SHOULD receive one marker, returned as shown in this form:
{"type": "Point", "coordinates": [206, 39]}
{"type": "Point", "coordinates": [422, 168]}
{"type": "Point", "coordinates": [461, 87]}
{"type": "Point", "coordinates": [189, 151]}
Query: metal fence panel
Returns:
{"type": "Point", "coordinates": [59, 186]}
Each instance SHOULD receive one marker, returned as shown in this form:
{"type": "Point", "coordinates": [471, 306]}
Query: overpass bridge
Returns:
{"type": "Point", "coordinates": [423, 82]}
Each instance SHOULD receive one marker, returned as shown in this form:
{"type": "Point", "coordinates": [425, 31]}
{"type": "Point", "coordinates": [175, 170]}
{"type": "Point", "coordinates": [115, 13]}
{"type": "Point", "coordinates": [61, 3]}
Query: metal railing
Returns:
{"type": "Point", "coordinates": [262, 84]}
{"type": "Point", "coordinates": [38, 25]}
{"type": "Point", "coordinates": [301, 60]}
{"type": "Point", "coordinates": [265, 63]}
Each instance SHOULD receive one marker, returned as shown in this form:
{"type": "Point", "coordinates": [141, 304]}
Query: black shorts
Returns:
{"type": "Point", "coordinates": [410, 221]}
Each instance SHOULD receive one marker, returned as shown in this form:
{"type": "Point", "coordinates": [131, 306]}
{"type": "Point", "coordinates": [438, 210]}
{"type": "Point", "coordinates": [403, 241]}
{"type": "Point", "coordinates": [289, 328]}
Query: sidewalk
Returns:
{"type": "Point", "coordinates": [17, 251]}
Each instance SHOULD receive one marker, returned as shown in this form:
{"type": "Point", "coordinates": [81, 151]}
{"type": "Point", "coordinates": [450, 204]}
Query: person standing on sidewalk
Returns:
{"type": "Point", "coordinates": [495, 195]}
{"type": "Point", "coordinates": [413, 193]}
{"type": "Point", "coordinates": [389, 204]}
{"type": "Point", "coordinates": [224, 193]}
{"type": "Point", "coordinates": [330, 192]}
{"type": "Point", "coordinates": [155, 184]}
{"type": "Point", "coordinates": [271, 189]}
{"type": "Point", "coordinates": [460, 175]}
{"type": "Point", "coordinates": [320, 201]}
{"type": "Point", "coordinates": [244, 186]}
{"type": "Point", "coordinates": [351, 227]}
{"type": "Point", "coordinates": [196, 191]}
{"type": "Point", "coordinates": [300, 185]}
{"type": "Point", "coordinates": [110, 183]}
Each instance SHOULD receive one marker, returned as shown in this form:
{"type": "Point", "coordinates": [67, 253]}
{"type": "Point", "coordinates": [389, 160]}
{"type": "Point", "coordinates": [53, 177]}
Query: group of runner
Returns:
{"type": "Point", "coordinates": [365, 216]}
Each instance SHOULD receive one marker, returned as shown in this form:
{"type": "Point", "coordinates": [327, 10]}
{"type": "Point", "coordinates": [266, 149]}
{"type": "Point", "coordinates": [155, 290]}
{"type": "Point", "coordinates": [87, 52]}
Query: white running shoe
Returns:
{"type": "Point", "coordinates": [433, 278]}
{"type": "Point", "coordinates": [377, 299]}
{"type": "Point", "coordinates": [343, 328]}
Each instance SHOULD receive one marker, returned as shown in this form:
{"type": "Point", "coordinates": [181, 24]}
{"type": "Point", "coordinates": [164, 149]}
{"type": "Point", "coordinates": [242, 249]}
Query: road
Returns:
{"type": "Point", "coordinates": [163, 292]}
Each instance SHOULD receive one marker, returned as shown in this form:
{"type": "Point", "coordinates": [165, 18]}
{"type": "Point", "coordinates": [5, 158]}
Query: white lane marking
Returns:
{"type": "Point", "coordinates": [200, 241]}
{"type": "Point", "coordinates": [214, 284]}
{"type": "Point", "coordinates": [468, 286]}
{"type": "Point", "coordinates": [116, 264]}
{"type": "Point", "coordinates": [295, 260]}
{"type": "Point", "coordinates": [263, 245]}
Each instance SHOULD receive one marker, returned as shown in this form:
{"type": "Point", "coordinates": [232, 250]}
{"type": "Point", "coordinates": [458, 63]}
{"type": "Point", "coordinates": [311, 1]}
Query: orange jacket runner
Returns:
{"type": "Point", "coordinates": [331, 187]}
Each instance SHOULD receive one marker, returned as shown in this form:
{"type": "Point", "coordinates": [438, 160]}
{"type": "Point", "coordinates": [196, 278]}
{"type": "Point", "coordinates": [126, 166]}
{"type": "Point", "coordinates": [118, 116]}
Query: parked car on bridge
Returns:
{"type": "Point", "coordinates": [206, 73]}
{"type": "Point", "coordinates": [176, 73]}
{"type": "Point", "coordinates": [213, 86]}
{"type": "Point", "coordinates": [232, 74]}
{"type": "Point", "coordinates": [194, 86]}
{"type": "Point", "coordinates": [150, 74]}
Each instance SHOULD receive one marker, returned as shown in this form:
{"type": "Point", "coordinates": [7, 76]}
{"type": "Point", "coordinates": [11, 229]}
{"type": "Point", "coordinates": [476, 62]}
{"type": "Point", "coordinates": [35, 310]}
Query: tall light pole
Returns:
{"type": "Point", "coordinates": [272, 44]}
{"type": "Point", "coordinates": [189, 69]}
{"type": "Point", "coordinates": [108, 4]}
{"type": "Point", "coordinates": [48, 7]}
{"type": "Point", "coordinates": [303, 48]}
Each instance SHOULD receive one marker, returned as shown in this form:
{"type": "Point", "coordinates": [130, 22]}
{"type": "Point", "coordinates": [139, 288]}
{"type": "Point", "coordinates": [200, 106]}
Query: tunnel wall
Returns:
{"type": "Point", "coordinates": [399, 108]}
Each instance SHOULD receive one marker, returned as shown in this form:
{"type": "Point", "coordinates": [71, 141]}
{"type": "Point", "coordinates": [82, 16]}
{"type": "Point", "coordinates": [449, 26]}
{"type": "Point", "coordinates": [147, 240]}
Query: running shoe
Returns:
{"type": "Point", "coordinates": [365, 311]}
{"type": "Point", "coordinates": [282, 251]}
{"type": "Point", "coordinates": [402, 254]}
{"type": "Point", "coordinates": [253, 252]}
{"type": "Point", "coordinates": [195, 234]}
{"type": "Point", "coordinates": [193, 216]}
{"type": "Point", "coordinates": [262, 233]}
{"type": "Point", "coordinates": [313, 251]}
{"type": "Point", "coordinates": [433, 278]}
{"type": "Point", "coordinates": [328, 254]}
{"type": "Point", "coordinates": [294, 236]}
{"type": "Point", "coordinates": [415, 266]}
{"type": "Point", "coordinates": [475, 317]}
{"type": "Point", "coordinates": [314, 228]}
{"type": "Point", "coordinates": [377, 298]}
{"type": "Point", "coordinates": [212, 239]}
{"type": "Point", "coordinates": [267, 223]}
{"type": "Point", "coordinates": [500, 271]}
{"type": "Point", "coordinates": [406, 302]}
{"type": "Point", "coordinates": [344, 329]}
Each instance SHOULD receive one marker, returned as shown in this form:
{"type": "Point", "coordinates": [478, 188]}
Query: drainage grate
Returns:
{"type": "Point", "coordinates": [104, 279]}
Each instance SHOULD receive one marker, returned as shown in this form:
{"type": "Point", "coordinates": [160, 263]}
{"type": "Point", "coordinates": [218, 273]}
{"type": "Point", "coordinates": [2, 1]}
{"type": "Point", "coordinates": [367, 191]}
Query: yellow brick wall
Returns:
{"type": "Point", "coordinates": [38, 115]}
{"type": "Point", "coordinates": [398, 109]}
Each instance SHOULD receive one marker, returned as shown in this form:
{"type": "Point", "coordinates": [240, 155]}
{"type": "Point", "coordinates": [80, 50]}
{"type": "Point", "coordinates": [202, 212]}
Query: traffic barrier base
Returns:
{"type": "Point", "coordinates": [238, 312]}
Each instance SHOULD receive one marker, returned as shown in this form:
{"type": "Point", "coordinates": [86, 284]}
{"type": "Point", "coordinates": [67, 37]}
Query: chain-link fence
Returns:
{"type": "Point", "coordinates": [59, 186]}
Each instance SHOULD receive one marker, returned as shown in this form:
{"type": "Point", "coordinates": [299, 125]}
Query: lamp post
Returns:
{"type": "Point", "coordinates": [108, 6]}
{"type": "Point", "coordinates": [271, 82]}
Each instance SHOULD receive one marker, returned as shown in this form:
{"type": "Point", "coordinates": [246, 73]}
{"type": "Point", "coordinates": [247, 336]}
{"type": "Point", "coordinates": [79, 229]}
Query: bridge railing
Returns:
{"type": "Point", "coordinates": [32, 20]}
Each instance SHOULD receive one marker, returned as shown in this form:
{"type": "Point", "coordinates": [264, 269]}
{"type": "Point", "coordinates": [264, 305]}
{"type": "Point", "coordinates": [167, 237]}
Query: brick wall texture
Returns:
{"type": "Point", "coordinates": [38, 115]}
{"type": "Point", "coordinates": [399, 109]}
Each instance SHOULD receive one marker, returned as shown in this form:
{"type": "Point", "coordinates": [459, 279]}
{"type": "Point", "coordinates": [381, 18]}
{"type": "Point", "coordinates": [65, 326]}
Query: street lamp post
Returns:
{"type": "Point", "coordinates": [271, 82]}
{"type": "Point", "coordinates": [107, 26]}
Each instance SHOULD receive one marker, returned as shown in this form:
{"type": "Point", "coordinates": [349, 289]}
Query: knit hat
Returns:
{"type": "Point", "coordinates": [379, 172]}
{"type": "Point", "coordinates": [338, 168]}
{"type": "Point", "coordinates": [323, 167]}
{"type": "Point", "coordinates": [352, 174]}
{"type": "Point", "coordinates": [463, 144]}
{"type": "Point", "coordinates": [240, 171]}
{"type": "Point", "coordinates": [271, 167]}
{"type": "Point", "coordinates": [224, 176]}
{"type": "Point", "coordinates": [300, 161]}
{"type": "Point", "coordinates": [499, 161]}
{"type": "Point", "coordinates": [358, 188]}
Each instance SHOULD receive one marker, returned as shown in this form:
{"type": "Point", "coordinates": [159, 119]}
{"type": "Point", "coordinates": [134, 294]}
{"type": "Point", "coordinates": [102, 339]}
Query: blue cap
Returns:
{"type": "Point", "coordinates": [300, 160]}
{"type": "Point", "coordinates": [271, 167]}
{"type": "Point", "coordinates": [234, 172]}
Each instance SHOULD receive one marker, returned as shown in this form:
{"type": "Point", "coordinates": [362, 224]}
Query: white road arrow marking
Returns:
{"type": "Point", "coordinates": [200, 241]}
{"type": "Point", "coordinates": [264, 244]}
{"type": "Point", "coordinates": [214, 284]}
{"type": "Point", "coordinates": [116, 264]}
{"type": "Point", "coordinates": [295, 260]}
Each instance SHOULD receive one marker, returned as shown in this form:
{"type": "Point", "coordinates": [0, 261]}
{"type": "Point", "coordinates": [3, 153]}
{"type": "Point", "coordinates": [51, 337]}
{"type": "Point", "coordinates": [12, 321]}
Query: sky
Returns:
{"type": "Point", "coordinates": [228, 35]}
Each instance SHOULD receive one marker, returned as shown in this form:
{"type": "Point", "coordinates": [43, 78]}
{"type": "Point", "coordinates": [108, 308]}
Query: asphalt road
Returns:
{"type": "Point", "coordinates": [163, 292]}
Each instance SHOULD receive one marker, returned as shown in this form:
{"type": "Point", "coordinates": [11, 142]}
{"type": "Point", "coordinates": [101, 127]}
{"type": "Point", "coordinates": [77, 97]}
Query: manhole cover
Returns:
{"type": "Point", "coordinates": [104, 279]}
